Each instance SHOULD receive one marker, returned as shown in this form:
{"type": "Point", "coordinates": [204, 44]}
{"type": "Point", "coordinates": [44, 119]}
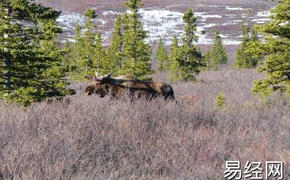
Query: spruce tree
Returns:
{"type": "Point", "coordinates": [174, 68]}
{"type": "Point", "coordinates": [240, 55]}
{"type": "Point", "coordinates": [243, 59]}
{"type": "Point", "coordinates": [29, 51]}
{"type": "Point", "coordinates": [87, 52]}
{"type": "Point", "coordinates": [275, 51]}
{"type": "Point", "coordinates": [217, 55]}
{"type": "Point", "coordinates": [100, 62]}
{"type": "Point", "coordinates": [189, 57]}
{"type": "Point", "coordinates": [116, 46]}
{"type": "Point", "coordinates": [136, 52]}
{"type": "Point", "coordinates": [161, 56]}
{"type": "Point", "coordinates": [218, 51]}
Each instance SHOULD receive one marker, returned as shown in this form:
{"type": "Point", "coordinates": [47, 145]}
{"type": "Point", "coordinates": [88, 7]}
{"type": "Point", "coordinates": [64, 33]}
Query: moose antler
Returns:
{"type": "Point", "coordinates": [100, 78]}
{"type": "Point", "coordinates": [97, 75]}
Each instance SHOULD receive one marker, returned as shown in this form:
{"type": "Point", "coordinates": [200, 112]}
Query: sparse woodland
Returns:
{"type": "Point", "coordinates": [237, 111]}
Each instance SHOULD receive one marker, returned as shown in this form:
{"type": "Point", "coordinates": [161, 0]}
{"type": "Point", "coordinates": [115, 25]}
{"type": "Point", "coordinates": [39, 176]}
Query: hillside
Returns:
{"type": "Point", "coordinates": [163, 19]}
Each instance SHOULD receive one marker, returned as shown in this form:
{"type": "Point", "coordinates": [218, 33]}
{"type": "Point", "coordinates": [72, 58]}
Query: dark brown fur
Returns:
{"type": "Point", "coordinates": [117, 86]}
{"type": "Point", "coordinates": [116, 91]}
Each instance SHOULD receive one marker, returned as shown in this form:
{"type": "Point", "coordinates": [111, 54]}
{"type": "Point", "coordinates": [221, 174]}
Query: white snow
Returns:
{"type": "Point", "coordinates": [229, 23]}
{"type": "Point", "coordinates": [237, 21]}
{"type": "Point", "coordinates": [106, 13]}
{"type": "Point", "coordinates": [209, 25]}
{"type": "Point", "coordinates": [234, 8]}
{"type": "Point", "coordinates": [263, 14]}
{"type": "Point", "coordinates": [101, 21]}
{"type": "Point", "coordinates": [231, 42]}
{"type": "Point", "coordinates": [223, 35]}
{"type": "Point", "coordinates": [261, 20]}
{"type": "Point", "coordinates": [211, 16]}
{"type": "Point", "coordinates": [69, 20]}
{"type": "Point", "coordinates": [159, 23]}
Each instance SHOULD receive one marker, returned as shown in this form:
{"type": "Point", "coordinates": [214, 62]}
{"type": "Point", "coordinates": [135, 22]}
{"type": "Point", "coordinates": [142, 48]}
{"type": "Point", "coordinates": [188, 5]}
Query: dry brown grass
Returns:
{"type": "Point", "coordinates": [93, 138]}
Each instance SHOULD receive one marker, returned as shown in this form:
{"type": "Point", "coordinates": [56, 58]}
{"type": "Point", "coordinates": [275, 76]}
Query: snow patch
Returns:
{"type": "Point", "coordinates": [106, 13]}
{"type": "Point", "coordinates": [209, 25]}
{"type": "Point", "coordinates": [69, 20]}
{"type": "Point", "coordinates": [211, 16]}
{"type": "Point", "coordinates": [229, 23]}
{"type": "Point", "coordinates": [263, 14]}
{"type": "Point", "coordinates": [234, 8]}
{"type": "Point", "coordinates": [101, 21]}
{"type": "Point", "coordinates": [231, 42]}
{"type": "Point", "coordinates": [261, 20]}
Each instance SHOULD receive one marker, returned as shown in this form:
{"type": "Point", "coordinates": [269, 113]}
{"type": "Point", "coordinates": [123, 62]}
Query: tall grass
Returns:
{"type": "Point", "coordinates": [93, 138]}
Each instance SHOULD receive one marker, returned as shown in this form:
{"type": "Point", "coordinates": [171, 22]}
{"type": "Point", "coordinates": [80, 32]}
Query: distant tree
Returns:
{"type": "Point", "coordinates": [87, 53]}
{"type": "Point", "coordinates": [189, 59]}
{"type": "Point", "coordinates": [242, 59]}
{"type": "Point", "coordinates": [116, 46]}
{"type": "Point", "coordinates": [240, 55]}
{"type": "Point", "coordinates": [101, 63]}
{"type": "Point", "coordinates": [174, 71]}
{"type": "Point", "coordinates": [66, 58]}
{"type": "Point", "coordinates": [275, 51]}
{"type": "Point", "coordinates": [136, 52]}
{"type": "Point", "coordinates": [162, 56]}
{"type": "Point", "coordinates": [217, 54]}
{"type": "Point", "coordinates": [30, 53]}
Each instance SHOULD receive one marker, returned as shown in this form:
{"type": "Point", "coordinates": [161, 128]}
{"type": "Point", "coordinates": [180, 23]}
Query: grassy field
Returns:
{"type": "Point", "coordinates": [91, 138]}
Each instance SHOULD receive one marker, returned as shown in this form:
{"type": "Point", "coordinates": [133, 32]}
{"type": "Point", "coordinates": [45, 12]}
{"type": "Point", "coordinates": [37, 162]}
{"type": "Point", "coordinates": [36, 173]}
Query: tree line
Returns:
{"type": "Point", "coordinates": [35, 65]}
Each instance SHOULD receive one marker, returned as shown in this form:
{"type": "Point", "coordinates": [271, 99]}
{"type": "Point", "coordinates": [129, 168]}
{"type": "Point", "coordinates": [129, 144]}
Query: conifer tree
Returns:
{"type": "Point", "coordinates": [116, 46]}
{"type": "Point", "coordinates": [100, 62]}
{"type": "Point", "coordinates": [87, 52]}
{"type": "Point", "coordinates": [136, 52]}
{"type": "Point", "coordinates": [174, 68]}
{"type": "Point", "coordinates": [189, 57]}
{"type": "Point", "coordinates": [29, 52]}
{"type": "Point", "coordinates": [242, 59]}
{"type": "Point", "coordinates": [240, 55]}
{"type": "Point", "coordinates": [66, 57]}
{"type": "Point", "coordinates": [161, 56]}
{"type": "Point", "coordinates": [217, 55]}
{"type": "Point", "coordinates": [275, 51]}
{"type": "Point", "coordinates": [220, 100]}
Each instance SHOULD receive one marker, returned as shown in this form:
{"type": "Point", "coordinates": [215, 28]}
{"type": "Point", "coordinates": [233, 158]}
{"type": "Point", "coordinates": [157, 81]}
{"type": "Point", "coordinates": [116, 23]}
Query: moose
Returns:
{"type": "Point", "coordinates": [127, 85]}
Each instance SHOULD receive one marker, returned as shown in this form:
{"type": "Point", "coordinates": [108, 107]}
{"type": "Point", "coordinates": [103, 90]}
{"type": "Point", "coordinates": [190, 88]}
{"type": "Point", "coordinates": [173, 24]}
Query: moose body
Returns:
{"type": "Point", "coordinates": [115, 91]}
{"type": "Point", "coordinates": [128, 85]}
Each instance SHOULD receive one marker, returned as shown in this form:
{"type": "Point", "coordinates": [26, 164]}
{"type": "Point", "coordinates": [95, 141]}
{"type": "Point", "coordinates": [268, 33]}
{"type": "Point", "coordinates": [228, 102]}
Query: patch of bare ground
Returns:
{"type": "Point", "coordinates": [94, 138]}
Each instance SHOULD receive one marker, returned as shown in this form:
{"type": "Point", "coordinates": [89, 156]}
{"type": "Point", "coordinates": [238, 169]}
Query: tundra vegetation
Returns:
{"type": "Point", "coordinates": [218, 116]}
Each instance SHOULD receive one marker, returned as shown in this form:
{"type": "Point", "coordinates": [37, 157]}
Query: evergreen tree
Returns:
{"type": "Point", "coordinates": [87, 53]}
{"type": "Point", "coordinates": [161, 56]}
{"type": "Point", "coordinates": [116, 46]}
{"type": "Point", "coordinates": [275, 51]}
{"type": "Point", "coordinates": [240, 55]}
{"type": "Point", "coordinates": [66, 58]}
{"type": "Point", "coordinates": [174, 68]}
{"type": "Point", "coordinates": [189, 57]}
{"type": "Point", "coordinates": [136, 52]}
{"type": "Point", "coordinates": [242, 59]}
{"type": "Point", "coordinates": [220, 100]}
{"type": "Point", "coordinates": [217, 55]}
{"type": "Point", "coordinates": [100, 62]}
{"type": "Point", "coordinates": [29, 51]}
